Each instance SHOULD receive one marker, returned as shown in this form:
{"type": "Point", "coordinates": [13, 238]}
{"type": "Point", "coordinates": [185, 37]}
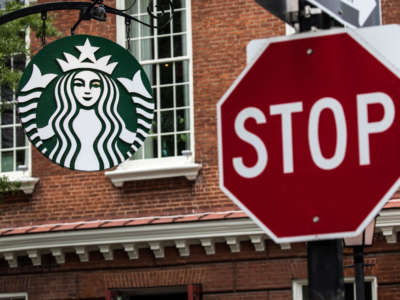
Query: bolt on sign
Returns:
{"type": "Point", "coordinates": [85, 103]}
{"type": "Point", "coordinates": [309, 133]}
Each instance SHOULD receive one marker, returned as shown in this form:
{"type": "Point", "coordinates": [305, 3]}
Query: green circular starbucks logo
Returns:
{"type": "Point", "coordinates": [85, 103]}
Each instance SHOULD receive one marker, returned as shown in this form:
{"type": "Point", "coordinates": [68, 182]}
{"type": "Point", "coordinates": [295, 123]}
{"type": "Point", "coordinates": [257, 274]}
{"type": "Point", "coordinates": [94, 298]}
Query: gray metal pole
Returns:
{"type": "Point", "coordinates": [325, 270]}
{"type": "Point", "coordinates": [358, 254]}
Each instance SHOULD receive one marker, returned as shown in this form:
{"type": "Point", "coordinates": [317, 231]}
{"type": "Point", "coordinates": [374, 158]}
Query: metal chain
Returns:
{"type": "Point", "coordinates": [44, 18]}
{"type": "Point", "coordinates": [128, 32]}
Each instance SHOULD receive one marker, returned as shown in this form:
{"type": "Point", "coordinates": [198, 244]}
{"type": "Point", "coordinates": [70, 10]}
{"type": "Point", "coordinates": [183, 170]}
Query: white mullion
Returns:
{"type": "Point", "coordinates": [174, 111]}
{"type": "Point", "coordinates": [171, 36]}
{"type": "Point", "coordinates": [14, 148]}
{"type": "Point", "coordinates": [165, 60]}
{"type": "Point", "coordinates": [140, 40]}
{"type": "Point", "coordinates": [159, 155]}
{"type": "Point", "coordinates": [189, 52]}
{"type": "Point", "coordinates": [158, 83]}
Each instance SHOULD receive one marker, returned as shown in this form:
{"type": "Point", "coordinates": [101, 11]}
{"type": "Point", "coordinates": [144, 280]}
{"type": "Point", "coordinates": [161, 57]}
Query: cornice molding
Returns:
{"type": "Point", "coordinates": [133, 170]}
{"type": "Point", "coordinates": [156, 237]}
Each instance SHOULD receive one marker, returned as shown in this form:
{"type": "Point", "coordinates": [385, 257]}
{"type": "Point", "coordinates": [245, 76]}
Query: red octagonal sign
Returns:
{"type": "Point", "coordinates": [309, 135]}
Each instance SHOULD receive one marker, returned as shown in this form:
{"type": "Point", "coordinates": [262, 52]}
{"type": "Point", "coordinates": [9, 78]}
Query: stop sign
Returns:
{"type": "Point", "coordinates": [309, 134]}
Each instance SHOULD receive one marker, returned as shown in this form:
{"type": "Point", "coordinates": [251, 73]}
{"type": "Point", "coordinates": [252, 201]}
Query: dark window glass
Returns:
{"type": "Point", "coordinates": [164, 47]}
{"type": "Point", "coordinates": [166, 73]}
{"type": "Point", "coordinates": [167, 145]}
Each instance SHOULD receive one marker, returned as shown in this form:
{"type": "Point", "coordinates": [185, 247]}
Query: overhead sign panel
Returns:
{"type": "Point", "coordinates": [283, 9]}
{"type": "Point", "coordinates": [353, 13]}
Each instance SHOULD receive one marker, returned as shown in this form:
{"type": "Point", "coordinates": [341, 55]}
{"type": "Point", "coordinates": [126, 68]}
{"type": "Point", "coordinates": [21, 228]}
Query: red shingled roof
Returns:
{"type": "Point", "coordinates": [212, 216]}
{"type": "Point", "coordinates": [122, 223]}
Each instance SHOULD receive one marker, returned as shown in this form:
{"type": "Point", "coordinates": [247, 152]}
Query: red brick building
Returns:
{"type": "Point", "coordinates": [158, 226]}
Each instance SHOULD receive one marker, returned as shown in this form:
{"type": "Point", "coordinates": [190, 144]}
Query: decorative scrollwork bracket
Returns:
{"type": "Point", "coordinates": [89, 10]}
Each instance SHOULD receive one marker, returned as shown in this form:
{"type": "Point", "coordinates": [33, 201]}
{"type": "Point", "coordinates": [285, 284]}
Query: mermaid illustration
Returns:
{"type": "Point", "coordinates": [85, 132]}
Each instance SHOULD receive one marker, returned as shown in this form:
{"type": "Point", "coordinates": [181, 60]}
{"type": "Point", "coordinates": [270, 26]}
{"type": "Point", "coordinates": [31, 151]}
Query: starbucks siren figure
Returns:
{"type": "Point", "coordinates": [86, 120]}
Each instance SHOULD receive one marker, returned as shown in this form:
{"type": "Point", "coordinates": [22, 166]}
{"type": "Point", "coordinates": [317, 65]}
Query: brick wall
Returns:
{"type": "Point", "coordinates": [221, 30]}
{"type": "Point", "coordinates": [247, 275]}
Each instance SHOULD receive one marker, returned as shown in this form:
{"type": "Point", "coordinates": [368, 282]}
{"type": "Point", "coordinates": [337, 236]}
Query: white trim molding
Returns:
{"type": "Point", "coordinates": [297, 287]}
{"type": "Point", "coordinates": [27, 182]}
{"type": "Point", "coordinates": [15, 296]}
{"type": "Point", "coordinates": [388, 223]}
{"type": "Point", "coordinates": [154, 237]}
{"type": "Point", "coordinates": [133, 170]}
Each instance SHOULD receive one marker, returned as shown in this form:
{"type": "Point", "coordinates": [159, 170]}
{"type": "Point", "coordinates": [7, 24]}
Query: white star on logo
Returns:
{"type": "Point", "coordinates": [87, 51]}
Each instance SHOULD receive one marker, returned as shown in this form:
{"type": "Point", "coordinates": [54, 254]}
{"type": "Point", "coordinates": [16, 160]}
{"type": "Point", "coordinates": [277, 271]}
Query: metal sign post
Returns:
{"type": "Point", "coordinates": [324, 258]}
{"type": "Point", "coordinates": [325, 270]}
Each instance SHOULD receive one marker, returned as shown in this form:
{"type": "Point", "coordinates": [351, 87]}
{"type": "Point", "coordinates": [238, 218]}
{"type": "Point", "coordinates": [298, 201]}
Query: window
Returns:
{"type": "Point", "coordinates": [14, 296]}
{"type": "Point", "coordinates": [191, 292]}
{"type": "Point", "coordinates": [14, 147]}
{"type": "Point", "coordinates": [300, 289]}
{"type": "Point", "coordinates": [15, 160]}
{"type": "Point", "coordinates": [165, 55]}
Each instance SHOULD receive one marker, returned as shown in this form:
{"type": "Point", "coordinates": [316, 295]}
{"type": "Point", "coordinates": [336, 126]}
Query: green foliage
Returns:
{"type": "Point", "coordinates": [13, 41]}
{"type": "Point", "coordinates": [7, 186]}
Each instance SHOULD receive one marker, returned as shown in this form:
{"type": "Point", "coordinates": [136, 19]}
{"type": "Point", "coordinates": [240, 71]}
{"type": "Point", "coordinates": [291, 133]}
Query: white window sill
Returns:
{"type": "Point", "coordinates": [147, 169]}
{"type": "Point", "coordinates": [28, 183]}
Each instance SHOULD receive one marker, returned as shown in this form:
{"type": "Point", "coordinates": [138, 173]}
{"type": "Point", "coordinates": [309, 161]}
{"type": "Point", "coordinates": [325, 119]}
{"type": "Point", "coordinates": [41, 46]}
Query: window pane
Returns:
{"type": "Point", "coordinates": [167, 145]}
{"type": "Point", "coordinates": [7, 116]}
{"type": "Point", "coordinates": [182, 120]}
{"type": "Point", "coordinates": [155, 99]}
{"type": "Point", "coordinates": [132, 6]}
{"type": "Point", "coordinates": [19, 62]}
{"type": "Point", "coordinates": [134, 29]}
{"type": "Point", "coordinates": [21, 158]}
{"type": "Point", "coordinates": [165, 73]}
{"type": "Point", "coordinates": [151, 147]}
{"type": "Point", "coordinates": [178, 3]}
{"type": "Point", "coordinates": [182, 95]}
{"type": "Point", "coordinates": [368, 290]}
{"type": "Point", "coordinates": [180, 45]}
{"type": "Point", "coordinates": [179, 21]}
{"type": "Point", "coordinates": [305, 292]}
{"type": "Point", "coordinates": [154, 128]}
{"type": "Point", "coordinates": [349, 291]}
{"type": "Point", "coordinates": [150, 72]}
{"type": "Point", "coordinates": [147, 50]}
{"type": "Point", "coordinates": [163, 5]}
{"type": "Point", "coordinates": [7, 138]}
{"type": "Point", "coordinates": [143, 6]}
{"type": "Point", "coordinates": [164, 47]}
{"type": "Point", "coordinates": [20, 137]}
{"type": "Point", "coordinates": [6, 94]}
{"type": "Point", "coordinates": [167, 97]}
{"type": "Point", "coordinates": [134, 48]}
{"type": "Point", "coordinates": [145, 30]}
{"type": "Point", "coordinates": [183, 140]}
{"type": "Point", "coordinates": [163, 19]}
{"type": "Point", "coordinates": [7, 161]}
{"type": "Point", "coordinates": [181, 71]}
{"type": "Point", "coordinates": [138, 154]}
{"type": "Point", "coordinates": [167, 121]}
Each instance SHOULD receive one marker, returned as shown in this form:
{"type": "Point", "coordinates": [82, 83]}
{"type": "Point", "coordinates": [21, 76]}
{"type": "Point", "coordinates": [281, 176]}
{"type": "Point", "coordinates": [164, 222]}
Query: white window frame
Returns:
{"type": "Point", "coordinates": [14, 295]}
{"type": "Point", "coordinates": [297, 286]}
{"type": "Point", "coordinates": [24, 177]}
{"type": "Point", "coordinates": [165, 167]}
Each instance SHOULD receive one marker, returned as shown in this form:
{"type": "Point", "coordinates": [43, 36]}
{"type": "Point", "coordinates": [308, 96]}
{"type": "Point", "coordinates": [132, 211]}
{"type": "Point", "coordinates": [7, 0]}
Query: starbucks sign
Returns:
{"type": "Point", "coordinates": [85, 103]}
